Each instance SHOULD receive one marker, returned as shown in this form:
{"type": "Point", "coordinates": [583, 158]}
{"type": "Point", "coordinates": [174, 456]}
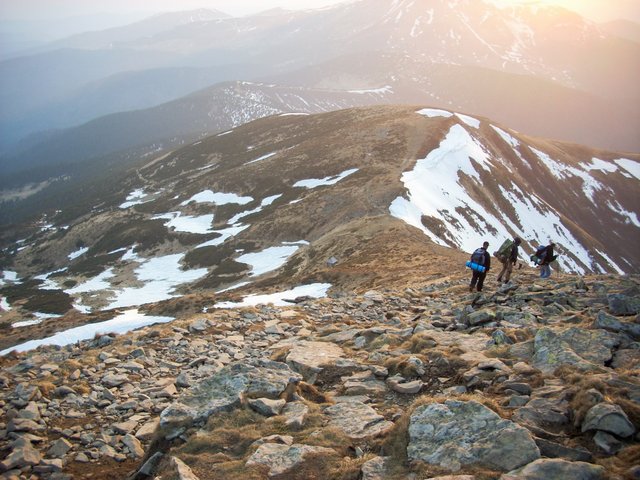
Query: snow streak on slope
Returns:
{"type": "Point", "coordinates": [441, 204]}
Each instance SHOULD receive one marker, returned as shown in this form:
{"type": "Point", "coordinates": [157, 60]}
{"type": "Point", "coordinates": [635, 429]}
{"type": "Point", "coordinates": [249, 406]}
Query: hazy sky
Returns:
{"type": "Point", "coordinates": [602, 10]}
{"type": "Point", "coordinates": [41, 9]}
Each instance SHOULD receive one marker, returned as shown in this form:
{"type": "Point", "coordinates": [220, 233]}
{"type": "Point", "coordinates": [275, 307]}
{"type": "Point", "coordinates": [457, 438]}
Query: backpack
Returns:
{"type": "Point", "coordinates": [504, 250]}
{"type": "Point", "coordinates": [541, 252]}
{"type": "Point", "coordinates": [478, 256]}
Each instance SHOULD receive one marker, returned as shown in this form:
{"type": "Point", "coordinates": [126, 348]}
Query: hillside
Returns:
{"type": "Point", "coordinates": [267, 204]}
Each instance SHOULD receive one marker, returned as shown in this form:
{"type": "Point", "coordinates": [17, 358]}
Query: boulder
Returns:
{"type": "Point", "coordinates": [612, 324]}
{"type": "Point", "coordinates": [544, 469]}
{"type": "Point", "coordinates": [586, 350]}
{"type": "Point", "coordinates": [621, 304]}
{"type": "Point", "coordinates": [281, 459]}
{"type": "Point", "coordinates": [311, 358]}
{"type": "Point", "coordinates": [181, 470]}
{"type": "Point", "coordinates": [456, 434]}
{"type": "Point", "coordinates": [223, 391]}
{"type": "Point", "coordinates": [266, 406]}
{"type": "Point", "coordinates": [610, 418]}
{"type": "Point", "coordinates": [357, 420]}
{"type": "Point", "coordinates": [375, 469]}
{"type": "Point", "coordinates": [295, 414]}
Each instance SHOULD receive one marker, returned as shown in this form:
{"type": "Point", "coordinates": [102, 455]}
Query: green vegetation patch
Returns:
{"type": "Point", "coordinates": [146, 233]}
{"type": "Point", "coordinates": [54, 302]}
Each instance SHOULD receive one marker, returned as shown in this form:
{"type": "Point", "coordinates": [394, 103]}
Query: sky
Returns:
{"type": "Point", "coordinates": [603, 10]}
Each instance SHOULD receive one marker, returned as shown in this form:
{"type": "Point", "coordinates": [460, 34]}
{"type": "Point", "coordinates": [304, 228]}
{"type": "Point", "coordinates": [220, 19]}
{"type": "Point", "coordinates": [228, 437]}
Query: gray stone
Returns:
{"type": "Point", "coordinates": [23, 455]}
{"type": "Point", "coordinates": [295, 414]}
{"type": "Point", "coordinates": [544, 413]}
{"type": "Point", "coordinates": [113, 380]}
{"type": "Point", "coordinates": [182, 470]}
{"type": "Point", "coordinates": [281, 459]}
{"type": "Point", "coordinates": [150, 465]}
{"type": "Point", "coordinates": [608, 443]}
{"type": "Point", "coordinates": [555, 450]}
{"type": "Point", "coordinates": [608, 418]}
{"type": "Point", "coordinates": [612, 324]}
{"type": "Point", "coordinates": [125, 427]}
{"type": "Point", "coordinates": [546, 469]}
{"type": "Point", "coordinates": [145, 432]}
{"type": "Point", "coordinates": [363, 383]}
{"type": "Point", "coordinates": [455, 434]}
{"type": "Point", "coordinates": [586, 350]}
{"type": "Point", "coordinates": [357, 420]}
{"type": "Point", "coordinates": [620, 304]}
{"type": "Point", "coordinates": [59, 448]}
{"type": "Point", "coordinates": [406, 387]}
{"type": "Point", "coordinates": [375, 469]}
{"type": "Point", "coordinates": [134, 445]}
{"type": "Point", "coordinates": [266, 406]}
{"type": "Point", "coordinates": [481, 317]}
{"type": "Point", "coordinates": [223, 391]}
{"type": "Point", "coordinates": [311, 358]}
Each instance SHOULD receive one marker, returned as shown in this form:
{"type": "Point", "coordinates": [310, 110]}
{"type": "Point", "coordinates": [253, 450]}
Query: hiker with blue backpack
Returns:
{"type": "Point", "coordinates": [543, 257]}
{"type": "Point", "coordinates": [508, 256]}
{"type": "Point", "coordinates": [480, 264]}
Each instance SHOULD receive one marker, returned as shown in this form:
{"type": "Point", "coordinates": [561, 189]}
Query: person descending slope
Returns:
{"type": "Point", "coordinates": [508, 256]}
{"type": "Point", "coordinates": [482, 258]}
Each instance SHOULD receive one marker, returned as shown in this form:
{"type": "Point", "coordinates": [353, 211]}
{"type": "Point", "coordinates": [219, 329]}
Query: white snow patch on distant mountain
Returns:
{"type": "Point", "coordinates": [4, 304]}
{"type": "Point", "coordinates": [78, 253]}
{"type": "Point", "coordinates": [266, 202]}
{"type": "Point", "coordinates": [630, 217]}
{"type": "Point", "coordinates": [96, 284]}
{"type": "Point", "coordinates": [47, 283]}
{"type": "Point", "coordinates": [125, 322]}
{"type": "Point", "coordinates": [269, 259]}
{"type": "Point", "coordinates": [434, 112]}
{"type": "Point", "coordinates": [27, 323]}
{"type": "Point", "coordinates": [470, 121]}
{"type": "Point", "coordinates": [613, 264]}
{"type": "Point", "coordinates": [8, 276]}
{"type": "Point", "coordinates": [381, 90]}
{"type": "Point", "coordinates": [320, 182]}
{"type": "Point", "coordinates": [137, 197]}
{"type": "Point", "coordinates": [263, 157]}
{"type": "Point", "coordinates": [556, 168]}
{"type": "Point", "coordinates": [186, 223]}
{"type": "Point", "coordinates": [435, 191]}
{"type": "Point", "coordinates": [161, 276]}
{"type": "Point", "coordinates": [597, 164]}
{"type": "Point", "coordinates": [630, 166]}
{"type": "Point", "coordinates": [315, 290]}
{"type": "Point", "coordinates": [208, 196]}
{"type": "Point", "coordinates": [224, 235]}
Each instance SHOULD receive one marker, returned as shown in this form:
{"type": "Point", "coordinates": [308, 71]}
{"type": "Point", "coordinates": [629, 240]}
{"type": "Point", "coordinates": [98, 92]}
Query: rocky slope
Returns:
{"type": "Point", "coordinates": [374, 188]}
{"type": "Point", "coordinates": [535, 379]}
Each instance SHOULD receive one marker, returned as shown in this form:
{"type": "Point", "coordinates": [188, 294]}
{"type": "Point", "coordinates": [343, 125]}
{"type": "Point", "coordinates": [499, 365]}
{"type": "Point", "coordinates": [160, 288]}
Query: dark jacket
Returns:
{"type": "Point", "coordinates": [513, 256]}
{"type": "Point", "coordinates": [546, 255]}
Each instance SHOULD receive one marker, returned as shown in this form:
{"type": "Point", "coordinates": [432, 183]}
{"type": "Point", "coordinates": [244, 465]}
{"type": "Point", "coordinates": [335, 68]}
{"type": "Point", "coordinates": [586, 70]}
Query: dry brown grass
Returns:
{"type": "Point", "coordinates": [401, 365]}
{"type": "Point", "coordinates": [419, 343]}
{"type": "Point", "coordinates": [619, 465]}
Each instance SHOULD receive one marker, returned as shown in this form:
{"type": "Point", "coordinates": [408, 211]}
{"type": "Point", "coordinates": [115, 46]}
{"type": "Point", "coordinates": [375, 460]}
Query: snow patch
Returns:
{"type": "Point", "coordinates": [320, 182]}
{"type": "Point", "coordinates": [78, 253]}
{"type": "Point", "coordinates": [269, 259]}
{"type": "Point", "coordinates": [208, 196]}
{"type": "Point", "coordinates": [125, 322]}
{"type": "Point", "coordinates": [631, 166]}
{"type": "Point", "coordinates": [186, 223]}
{"type": "Point", "coordinates": [315, 290]}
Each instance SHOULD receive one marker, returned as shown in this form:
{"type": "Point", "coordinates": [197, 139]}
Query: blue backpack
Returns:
{"type": "Point", "coordinates": [478, 256]}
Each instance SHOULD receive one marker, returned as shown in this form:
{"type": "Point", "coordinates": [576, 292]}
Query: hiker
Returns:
{"type": "Point", "coordinates": [545, 256]}
{"type": "Point", "coordinates": [481, 257]}
{"type": "Point", "coordinates": [508, 256]}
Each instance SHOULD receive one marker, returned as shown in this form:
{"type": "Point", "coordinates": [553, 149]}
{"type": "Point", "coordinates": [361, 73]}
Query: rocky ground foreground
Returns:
{"type": "Point", "coordinates": [534, 379]}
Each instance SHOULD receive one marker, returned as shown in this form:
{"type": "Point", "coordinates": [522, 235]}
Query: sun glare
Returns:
{"type": "Point", "coordinates": [593, 9]}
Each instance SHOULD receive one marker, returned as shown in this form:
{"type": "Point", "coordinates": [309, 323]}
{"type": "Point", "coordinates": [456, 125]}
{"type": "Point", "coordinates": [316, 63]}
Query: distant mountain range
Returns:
{"type": "Point", "coordinates": [544, 71]}
{"type": "Point", "coordinates": [355, 185]}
